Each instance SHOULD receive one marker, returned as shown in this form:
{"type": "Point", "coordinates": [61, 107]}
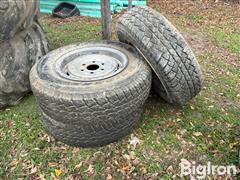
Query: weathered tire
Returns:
{"type": "Point", "coordinates": [90, 112]}
{"type": "Point", "coordinates": [178, 76]}
{"type": "Point", "coordinates": [17, 56]}
{"type": "Point", "coordinates": [89, 135]}
{"type": "Point", "coordinates": [16, 15]}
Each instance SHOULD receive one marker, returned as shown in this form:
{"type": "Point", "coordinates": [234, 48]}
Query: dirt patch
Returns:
{"type": "Point", "coordinates": [55, 21]}
{"type": "Point", "coordinates": [198, 42]}
{"type": "Point", "coordinates": [201, 44]}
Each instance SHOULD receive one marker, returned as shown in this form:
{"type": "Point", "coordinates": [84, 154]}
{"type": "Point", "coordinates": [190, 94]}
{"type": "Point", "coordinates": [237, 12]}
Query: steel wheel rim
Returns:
{"type": "Point", "coordinates": [91, 64]}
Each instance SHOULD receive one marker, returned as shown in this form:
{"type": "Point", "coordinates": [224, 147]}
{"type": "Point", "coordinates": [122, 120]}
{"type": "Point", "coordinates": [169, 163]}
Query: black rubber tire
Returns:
{"type": "Point", "coordinates": [17, 57]}
{"type": "Point", "coordinates": [92, 113]}
{"type": "Point", "coordinates": [91, 135]}
{"type": "Point", "coordinates": [16, 16]}
{"type": "Point", "coordinates": [178, 75]}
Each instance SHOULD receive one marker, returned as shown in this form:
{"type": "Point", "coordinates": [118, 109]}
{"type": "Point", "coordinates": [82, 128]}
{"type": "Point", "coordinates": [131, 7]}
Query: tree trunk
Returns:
{"type": "Point", "coordinates": [129, 4]}
{"type": "Point", "coordinates": [106, 20]}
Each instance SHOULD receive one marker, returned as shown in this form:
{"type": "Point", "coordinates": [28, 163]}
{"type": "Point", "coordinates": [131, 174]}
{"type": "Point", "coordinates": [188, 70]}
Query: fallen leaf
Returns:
{"type": "Point", "coordinates": [64, 149]}
{"type": "Point", "coordinates": [126, 156]}
{"type": "Point", "coordinates": [178, 137]}
{"type": "Point", "coordinates": [52, 164]}
{"type": "Point", "coordinates": [169, 169]}
{"type": "Point", "coordinates": [134, 142]}
{"type": "Point", "coordinates": [143, 170]}
{"type": "Point", "coordinates": [132, 155]}
{"type": "Point", "coordinates": [109, 177]}
{"type": "Point", "coordinates": [79, 165]}
{"type": "Point", "coordinates": [136, 162]}
{"type": "Point", "coordinates": [33, 170]}
{"type": "Point", "coordinates": [91, 170]}
{"type": "Point", "coordinates": [211, 106]}
{"type": "Point", "coordinates": [197, 134]}
{"type": "Point", "coordinates": [14, 162]}
{"type": "Point", "coordinates": [75, 150]}
{"type": "Point", "coordinates": [58, 172]}
{"type": "Point", "coordinates": [42, 177]}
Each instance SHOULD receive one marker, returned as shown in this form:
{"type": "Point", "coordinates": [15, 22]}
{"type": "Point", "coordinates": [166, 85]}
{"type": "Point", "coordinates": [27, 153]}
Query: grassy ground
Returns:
{"type": "Point", "coordinates": [206, 129]}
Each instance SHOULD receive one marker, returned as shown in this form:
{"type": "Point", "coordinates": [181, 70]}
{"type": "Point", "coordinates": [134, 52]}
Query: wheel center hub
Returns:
{"type": "Point", "coordinates": [93, 67]}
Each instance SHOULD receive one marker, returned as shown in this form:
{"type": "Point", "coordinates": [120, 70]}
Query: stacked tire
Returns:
{"type": "Point", "coordinates": [92, 94]}
{"type": "Point", "coordinates": [22, 43]}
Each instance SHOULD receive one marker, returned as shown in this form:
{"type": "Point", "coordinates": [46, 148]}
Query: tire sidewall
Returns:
{"type": "Point", "coordinates": [44, 75]}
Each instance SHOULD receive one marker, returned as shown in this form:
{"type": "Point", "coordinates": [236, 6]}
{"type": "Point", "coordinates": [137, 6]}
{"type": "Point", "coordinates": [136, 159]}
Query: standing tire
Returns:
{"type": "Point", "coordinates": [17, 56]}
{"type": "Point", "coordinates": [178, 77]}
{"type": "Point", "coordinates": [91, 94]}
{"type": "Point", "coordinates": [16, 16]}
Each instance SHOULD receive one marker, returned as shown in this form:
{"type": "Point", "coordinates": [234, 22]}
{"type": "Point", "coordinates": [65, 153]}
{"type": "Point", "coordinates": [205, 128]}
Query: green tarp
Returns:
{"type": "Point", "coordinates": [89, 7]}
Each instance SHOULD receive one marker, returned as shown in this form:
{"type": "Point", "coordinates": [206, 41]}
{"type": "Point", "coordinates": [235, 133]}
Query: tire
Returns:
{"type": "Point", "coordinates": [88, 135]}
{"type": "Point", "coordinates": [16, 16]}
{"type": "Point", "coordinates": [178, 77]}
{"type": "Point", "coordinates": [90, 110]}
{"type": "Point", "coordinates": [17, 56]}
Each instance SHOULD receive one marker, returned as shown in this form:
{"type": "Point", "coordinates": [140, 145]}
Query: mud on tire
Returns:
{"type": "Point", "coordinates": [16, 16]}
{"type": "Point", "coordinates": [178, 77]}
{"type": "Point", "coordinates": [17, 56]}
{"type": "Point", "coordinates": [99, 108]}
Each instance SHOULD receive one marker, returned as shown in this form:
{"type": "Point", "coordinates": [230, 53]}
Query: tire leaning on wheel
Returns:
{"type": "Point", "coordinates": [16, 15]}
{"type": "Point", "coordinates": [17, 56]}
{"type": "Point", "coordinates": [91, 94]}
{"type": "Point", "coordinates": [178, 77]}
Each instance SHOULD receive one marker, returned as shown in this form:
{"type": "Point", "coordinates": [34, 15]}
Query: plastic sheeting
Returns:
{"type": "Point", "coordinates": [89, 7]}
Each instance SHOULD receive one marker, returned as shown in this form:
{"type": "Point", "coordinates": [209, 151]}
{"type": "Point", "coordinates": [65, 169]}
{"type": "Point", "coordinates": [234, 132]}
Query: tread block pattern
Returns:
{"type": "Point", "coordinates": [178, 75]}
{"type": "Point", "coordinates": [96, 117]}
{"type": "Point", "coordinates": [16, 16]}
{"type": "Point", "coordinates": [92, 134]}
